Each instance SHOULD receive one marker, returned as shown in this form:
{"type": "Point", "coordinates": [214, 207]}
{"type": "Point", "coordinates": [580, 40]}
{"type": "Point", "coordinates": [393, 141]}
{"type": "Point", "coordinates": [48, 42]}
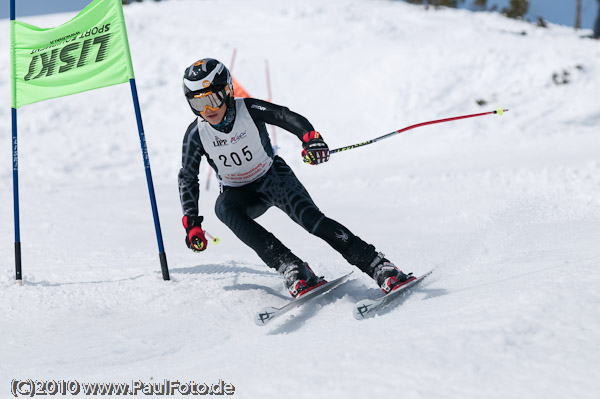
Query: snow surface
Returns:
{"type": "Point", "coordinates": [506, 210]}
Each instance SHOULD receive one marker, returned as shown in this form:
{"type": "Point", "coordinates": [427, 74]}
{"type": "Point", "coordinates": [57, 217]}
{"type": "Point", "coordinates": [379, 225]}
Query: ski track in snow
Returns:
{"type": "Point", "coordinates": [504, 209]}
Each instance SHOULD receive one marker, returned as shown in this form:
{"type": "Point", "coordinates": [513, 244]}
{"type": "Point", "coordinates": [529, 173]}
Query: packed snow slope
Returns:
{"type": "Point", "coordinates": [504, 209]}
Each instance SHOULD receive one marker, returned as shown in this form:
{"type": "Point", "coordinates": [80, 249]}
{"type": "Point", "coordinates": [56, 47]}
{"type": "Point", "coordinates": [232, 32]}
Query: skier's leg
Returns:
{"type": "Point", "coordinates": [287, 193]}
{"type": "Point", "coordinates": [237, 208]}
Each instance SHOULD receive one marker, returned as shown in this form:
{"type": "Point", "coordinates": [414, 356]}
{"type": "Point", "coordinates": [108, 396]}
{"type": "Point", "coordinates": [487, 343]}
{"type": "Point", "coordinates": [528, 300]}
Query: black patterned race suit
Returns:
{"type": "Point", "coordinates": [253, 179]}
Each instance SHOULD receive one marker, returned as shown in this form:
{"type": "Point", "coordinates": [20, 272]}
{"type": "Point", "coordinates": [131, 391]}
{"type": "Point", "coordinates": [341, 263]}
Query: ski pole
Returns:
{"type": "Point", "coordinates": [215, 240]}
{"type": "Point", "coordinates": [499, 111]}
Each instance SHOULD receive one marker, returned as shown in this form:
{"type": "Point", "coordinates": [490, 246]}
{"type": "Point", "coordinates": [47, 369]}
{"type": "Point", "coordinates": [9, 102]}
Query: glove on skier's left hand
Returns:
{"type": "Point", "coordinates": [194, 238]}
{"type": "Point", "coordinates": [315, 149]}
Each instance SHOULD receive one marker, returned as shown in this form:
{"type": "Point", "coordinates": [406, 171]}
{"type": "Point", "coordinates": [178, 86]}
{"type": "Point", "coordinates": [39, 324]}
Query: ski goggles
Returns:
{"type": "Point", "coordinates": [211, 99]}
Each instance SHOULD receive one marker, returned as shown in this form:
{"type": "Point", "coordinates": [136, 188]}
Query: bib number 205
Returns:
{"type": "Point", "coordinates": [236, 158]}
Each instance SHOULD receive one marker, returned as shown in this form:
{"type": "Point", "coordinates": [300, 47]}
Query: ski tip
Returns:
{"type": "Point", "coordinates": [264, 316]}
{"type": "Point", "coordinates": [500, 111]}
{"type": "Point", "coordinates": [346, 277]}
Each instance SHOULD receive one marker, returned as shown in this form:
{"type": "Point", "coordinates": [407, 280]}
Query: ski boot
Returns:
{"type": "Point", "coordinates": [388, 276]}
{"type": "Point", "coordinates": [300, 279]}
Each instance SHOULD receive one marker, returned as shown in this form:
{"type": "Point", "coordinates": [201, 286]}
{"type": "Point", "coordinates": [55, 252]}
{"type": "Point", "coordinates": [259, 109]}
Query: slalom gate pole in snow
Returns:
{"type": "Point", "coordinates": [116, 69]}
{"type": "Point", "coordinates": [15, 149]}
{"type": "Point", "coordinates": [138, 115]}
{"type": "Point", "coordinates": [499, 111]}
{"type": "Point", "coordinates": [18, 273]}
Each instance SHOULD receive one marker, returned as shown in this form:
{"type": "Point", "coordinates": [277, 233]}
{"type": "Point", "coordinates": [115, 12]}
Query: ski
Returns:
{"type": "Point", "coordinates": [369, 307]}
{"type": "Point", "coordinates": [266, 315]}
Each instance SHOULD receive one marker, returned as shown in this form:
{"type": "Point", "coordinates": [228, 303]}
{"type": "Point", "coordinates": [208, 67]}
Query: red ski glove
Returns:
{"type": "Point", "coordinates": [315, 150]}
{"type": "Point", "coordinates": [194, 238]}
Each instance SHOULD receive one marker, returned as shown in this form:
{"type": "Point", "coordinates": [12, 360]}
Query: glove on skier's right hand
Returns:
{"type": "Point", "coordinates": [194, 238]}
{"type": "Point", "coordinates": [315, 150]}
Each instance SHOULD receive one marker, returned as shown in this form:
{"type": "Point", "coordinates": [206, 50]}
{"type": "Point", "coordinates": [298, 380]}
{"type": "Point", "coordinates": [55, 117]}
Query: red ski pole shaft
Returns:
{"type": "Point", "coordinates": [215, 240]}
{"type": "Point", "coordinates": [499, 111]}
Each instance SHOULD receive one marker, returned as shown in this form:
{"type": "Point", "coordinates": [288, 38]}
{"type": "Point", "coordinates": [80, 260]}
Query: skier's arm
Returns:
{"type": "Point", "coordinates": [189, 188]}
{"type": "Point", "coordinates": [277, 115]}
{"type": "Point", "coordinates": [315, 150]}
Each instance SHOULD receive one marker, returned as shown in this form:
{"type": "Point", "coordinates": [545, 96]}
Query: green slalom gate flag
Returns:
{"type": "Point", "coordinates": [88, 52]}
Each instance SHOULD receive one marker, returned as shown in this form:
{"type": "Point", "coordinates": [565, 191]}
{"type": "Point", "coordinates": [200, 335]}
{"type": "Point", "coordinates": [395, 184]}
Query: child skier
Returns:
{"type": "Point", "coordinates": [232, 135]}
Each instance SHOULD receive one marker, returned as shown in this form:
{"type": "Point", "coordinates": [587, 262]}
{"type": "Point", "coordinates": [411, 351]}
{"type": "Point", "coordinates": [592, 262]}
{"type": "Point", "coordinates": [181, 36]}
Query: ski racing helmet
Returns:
{"type": "Point", "coordinates": [207, 84]}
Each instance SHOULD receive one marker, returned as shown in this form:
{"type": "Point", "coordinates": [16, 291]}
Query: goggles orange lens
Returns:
{"type": "Point", "coordinates": [204, 101]}
{"type": "Point", "coordinates": [212, 100]}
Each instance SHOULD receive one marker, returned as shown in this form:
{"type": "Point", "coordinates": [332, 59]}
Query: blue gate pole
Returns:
{"type": "Point", "coordinates": [18, 274]}
{"type": "Point", "coordinates": [15, 148]}
{"type": "Point", "coordinates": [138, 114]}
